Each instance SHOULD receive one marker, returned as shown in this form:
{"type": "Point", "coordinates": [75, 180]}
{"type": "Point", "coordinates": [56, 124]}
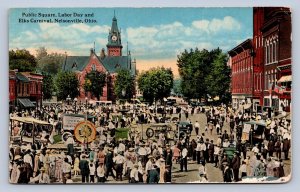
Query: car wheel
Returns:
{"type": "Point", "coordinates": [150, 132]}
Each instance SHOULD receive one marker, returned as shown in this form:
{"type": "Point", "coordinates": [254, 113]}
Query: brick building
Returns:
{"type": "Point", "coordinates": [108, 63]}
{"type": "Point", "coordinates": [269, 57]}
{"type": "Point", "coordinates": [242, 75]}
{"type": "Point", "coordinates": [276, 32]}
{"type": "Point", "coordinates": [258, 58]}
{"type": "Point", "coordinates": [25, 89]}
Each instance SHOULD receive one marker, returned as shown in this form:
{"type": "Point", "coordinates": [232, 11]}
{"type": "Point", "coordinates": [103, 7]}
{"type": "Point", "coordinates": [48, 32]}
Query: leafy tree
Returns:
{"type": "Point", "coordinates": [124, 82]}
{"type": "Point", "coordinates": [48, 86]}
{"type": "Point", "coordinates": [218, 80]}
{"type": "Point", "coordinates": [156, 83]}
{"type": "Point", "coordinates": [203, 73]}
{"type": "Point", "coordinates": [94, 83]}
{"type": "Point", "coordinates": [66, 84]}
{"type": "Point", "coordinates": [22, 60]}
{"type": "Point", "coordinates": [176, 87]}
{"type": "Point", "coordinates": [49, 63]}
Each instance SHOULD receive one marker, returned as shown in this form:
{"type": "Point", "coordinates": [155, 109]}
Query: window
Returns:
{"type": "Point", "coordinates": [274, 52]}
{"type": "Point", "coordinates": [93, 67]}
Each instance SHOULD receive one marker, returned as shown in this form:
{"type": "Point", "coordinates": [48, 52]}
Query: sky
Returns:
{"type": "Point", "coordinates": [155, 36]}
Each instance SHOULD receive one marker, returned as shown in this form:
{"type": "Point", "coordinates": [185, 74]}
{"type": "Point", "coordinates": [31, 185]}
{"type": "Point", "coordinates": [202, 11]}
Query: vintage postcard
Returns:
{"type": "Point", "coordinates": [150, 95]}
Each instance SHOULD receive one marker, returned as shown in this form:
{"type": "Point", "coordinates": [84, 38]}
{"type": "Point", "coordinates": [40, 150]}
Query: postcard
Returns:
{"type": "Point", "coordinates": [150, 95]}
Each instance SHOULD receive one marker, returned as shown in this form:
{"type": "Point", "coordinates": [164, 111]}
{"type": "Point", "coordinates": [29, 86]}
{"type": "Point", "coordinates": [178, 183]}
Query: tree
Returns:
{"type": "Point", "coordinates": [124, 84]}
{"type": "Point", "coordinates": [49, 63]}
{"type": "Point", "coordinates": [156, 83]}
{"type": "Point", "coordinates": [66, 84]}
{"type": "Point", "coordinates": [48, 86]}
{"type": "Point", "coordinates": [218, 80]}
{"type": "Point", "coordinates": [22, 60]}
{"type": "Point", "coordinates": [94, 83]}
{"type": "Point", "coordinates": [176, 87]}
{"type": "Point", "coordinates": [204, 73]}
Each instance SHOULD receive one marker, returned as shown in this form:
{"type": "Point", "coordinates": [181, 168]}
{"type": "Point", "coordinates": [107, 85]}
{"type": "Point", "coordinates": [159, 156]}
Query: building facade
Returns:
{"type": "Point", "coordinates": [25, 89]}
{"type": "Point", "coordinates": [264, 63]}
{"type": "Point", "coordinates": [258, 58]}
{"type": "Point", "coordinates": [108, 62]}
{"type": "Point", "coordinates": [276, 32]}
{"type": "Point", "coordinates": [242, 75]}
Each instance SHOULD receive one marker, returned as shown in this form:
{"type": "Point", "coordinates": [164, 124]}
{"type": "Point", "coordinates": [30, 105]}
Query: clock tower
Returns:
{"type": "Point", "coordinates": [114, 45]}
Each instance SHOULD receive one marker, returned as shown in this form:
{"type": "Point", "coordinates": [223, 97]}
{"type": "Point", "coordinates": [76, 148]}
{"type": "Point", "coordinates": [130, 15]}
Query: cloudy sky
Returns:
{"type": "Point", "coordinates": [155, 36]}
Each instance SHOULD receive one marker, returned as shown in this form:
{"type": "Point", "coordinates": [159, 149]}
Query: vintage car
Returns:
{"type": "Point", "coordinates": [155, 129]}
{"type": "Point", "coordinates": [254, 132]}
{"type": "Point", "coordinates": [184, 128]}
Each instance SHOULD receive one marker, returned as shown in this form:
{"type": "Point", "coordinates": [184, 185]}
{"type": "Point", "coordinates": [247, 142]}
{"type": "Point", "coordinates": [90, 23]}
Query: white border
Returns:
{"type": "Point", "coordinates": [5, 5]}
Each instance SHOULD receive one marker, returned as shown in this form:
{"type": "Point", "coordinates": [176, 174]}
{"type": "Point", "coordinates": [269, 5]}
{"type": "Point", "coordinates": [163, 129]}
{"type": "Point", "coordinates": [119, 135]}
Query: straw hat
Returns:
{"type": "Point", "coordinates": [17, 157]}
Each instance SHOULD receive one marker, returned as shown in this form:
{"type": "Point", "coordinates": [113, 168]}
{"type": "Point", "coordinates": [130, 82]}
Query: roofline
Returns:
{"type": "Point", "coordinates": [242, 46]}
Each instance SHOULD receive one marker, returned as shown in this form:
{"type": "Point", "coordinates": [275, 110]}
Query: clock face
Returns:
{"type": "Point", "coordinates": [114, 38]}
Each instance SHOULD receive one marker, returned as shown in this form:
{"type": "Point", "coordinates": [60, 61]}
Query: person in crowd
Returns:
{"type": "Point", "coordinates": [183, 158]}
{"type": "Point", "coordinates": [100, 173]}
{"type": "Point", "coordinates": [84, 169]}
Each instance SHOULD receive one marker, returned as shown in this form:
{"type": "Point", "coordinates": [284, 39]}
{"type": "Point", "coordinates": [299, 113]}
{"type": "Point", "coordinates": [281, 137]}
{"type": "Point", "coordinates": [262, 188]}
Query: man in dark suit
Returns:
{"type": "Point", "coordinates": [235, 166]}
{"type": "Point", "coordinates": [153, 175]}
{"type": "Point", "coordinates": [84, 169]}
{"type": "Point", "coordinates": [109, 163]}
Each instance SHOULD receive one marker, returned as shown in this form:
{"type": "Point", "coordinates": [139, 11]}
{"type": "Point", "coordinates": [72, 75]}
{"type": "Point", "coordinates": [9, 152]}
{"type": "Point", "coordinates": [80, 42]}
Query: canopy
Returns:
{"type": "Point", "coordinates": [247, 106]}
{"type": "Point", "coordinates": [29, 120]}
{"type": "Point", "coordinates": [286, 78]}
{"type": "Point", "coordinates": [26, 102]}
{"type": "Point", "coordinates": [262, 123]}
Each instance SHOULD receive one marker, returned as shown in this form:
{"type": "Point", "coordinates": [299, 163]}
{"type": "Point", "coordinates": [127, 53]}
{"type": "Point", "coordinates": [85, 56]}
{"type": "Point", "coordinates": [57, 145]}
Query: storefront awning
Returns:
{"type": "Point", "coordinates": [26, 102]}
{"type": "Point", "coordinates": [286, 78]}
{"type": "Point", "coordinates": [247, 106]}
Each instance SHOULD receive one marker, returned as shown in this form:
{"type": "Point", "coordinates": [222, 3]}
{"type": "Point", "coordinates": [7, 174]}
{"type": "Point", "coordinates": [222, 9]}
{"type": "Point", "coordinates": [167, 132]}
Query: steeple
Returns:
{"type": "Point", "coordinates": [114, 45]}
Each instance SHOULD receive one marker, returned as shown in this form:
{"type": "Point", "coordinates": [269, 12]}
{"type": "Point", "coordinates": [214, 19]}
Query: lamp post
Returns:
{"type": "Point", "coordinates": [86, 102]}
{"type": "Point", "coordinates": [68, 99]}
{"type": "Point", "coordinates": [75, 100]}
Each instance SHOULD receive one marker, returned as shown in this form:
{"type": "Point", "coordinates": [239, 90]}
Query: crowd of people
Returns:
{"type": "Point", "coordinates": [134, 160]}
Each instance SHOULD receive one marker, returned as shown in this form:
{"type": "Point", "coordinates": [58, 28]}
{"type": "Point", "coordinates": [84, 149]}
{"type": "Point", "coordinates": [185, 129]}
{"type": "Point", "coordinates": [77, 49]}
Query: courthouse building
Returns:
{"type": "Point", "coordinates": [109, 62]}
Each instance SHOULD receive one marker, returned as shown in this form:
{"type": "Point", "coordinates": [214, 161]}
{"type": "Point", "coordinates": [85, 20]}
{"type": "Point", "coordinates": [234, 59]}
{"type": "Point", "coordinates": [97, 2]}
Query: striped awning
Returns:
{"type": "Point", "coordinates": [26, 102]}
{"type": "Point", "coordinates": [286, 78]}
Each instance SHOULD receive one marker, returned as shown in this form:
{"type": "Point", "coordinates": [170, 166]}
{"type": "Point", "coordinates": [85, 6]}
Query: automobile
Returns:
{"type": "Point", "coordinates": [184, 128]}
{"type": "Point", "coordinates": [170, 102]}
{"type": "Point", "coordinates": [155, 129]}
{"type": "Point", "coordinates": [229, 151]}
{"type": "Point", "coordinates": [254, 132]}
{"type": "Point", "coordinates": [196, 104]}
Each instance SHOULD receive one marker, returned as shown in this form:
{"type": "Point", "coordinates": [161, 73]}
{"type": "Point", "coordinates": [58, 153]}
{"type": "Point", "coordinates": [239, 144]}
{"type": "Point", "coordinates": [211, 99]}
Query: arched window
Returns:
{"type": "Point", "coordinates": [94, 67]}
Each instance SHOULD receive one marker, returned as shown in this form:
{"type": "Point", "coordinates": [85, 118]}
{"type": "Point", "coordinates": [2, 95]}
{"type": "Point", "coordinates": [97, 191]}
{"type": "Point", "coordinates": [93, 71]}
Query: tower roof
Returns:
{"type": "Point", "coordinates": [114, 36]}
{"type": "Point", "coordinates": [114, 25]}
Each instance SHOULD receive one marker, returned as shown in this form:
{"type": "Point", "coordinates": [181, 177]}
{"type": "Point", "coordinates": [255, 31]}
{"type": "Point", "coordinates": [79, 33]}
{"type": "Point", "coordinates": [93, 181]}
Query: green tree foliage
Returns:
{"type": "Point", "coordinates": [204, 73]}
{"type": "Point", "coordinates": [124, 82]}
{"type": "Point", "coordinates": [176, 87]}
{"type": "Point", "coordinates": [94, 83]}
{"type": "Point", "coordinates": [156, 83]}
{"type": "Point", "coordinates": [22, 60]}
{"type": "Point", "coordinates": [48, 86]}
{"type": "Point", "coordinates": [66, 84]}
{"type": "Point", "coordinates": [49, 63]}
